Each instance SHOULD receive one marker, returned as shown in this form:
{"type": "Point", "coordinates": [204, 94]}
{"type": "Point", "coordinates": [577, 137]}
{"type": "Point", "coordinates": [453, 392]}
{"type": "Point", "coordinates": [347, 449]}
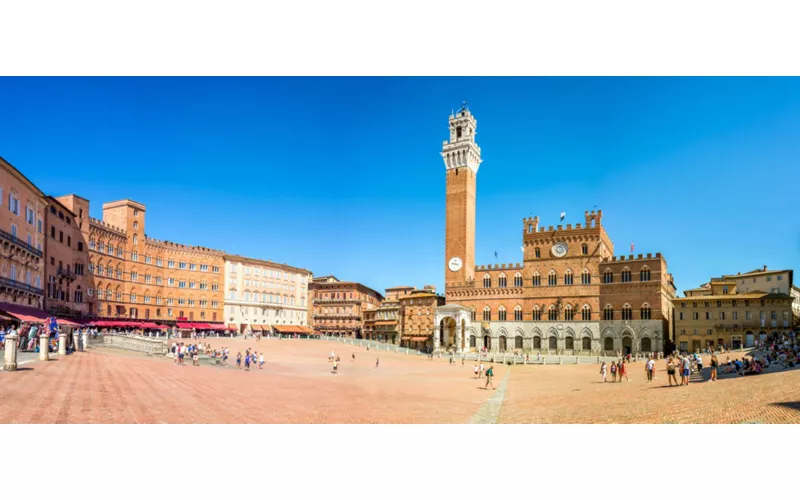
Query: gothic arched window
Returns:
{"type": "Point", "coordinates": [487, 314]}
{"type": "Point", "coordinates": [501, 281]}
{"type": "Point", "coordinates": [644, 274]}
{"type": "Point", "coordinates": [487, 281]}
{"type": "Point", "coordinates": [568, 277]}
{"type": "Point", "coordinates": [586, 313]}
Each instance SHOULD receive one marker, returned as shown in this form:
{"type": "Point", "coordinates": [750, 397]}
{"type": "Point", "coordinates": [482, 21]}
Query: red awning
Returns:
{"type": "Point", "coordinates": [152, 326]}
{"type": "Point", "coordinates": [65, 322]}
{"type": "Point", "coordinates": [186, 325]}
{"type": "Point", "coordinates": [25, 313]}
{"type": "Point", "coordinates": [216, 326]}
{"type": "Point", "coordinates": [293, 329]}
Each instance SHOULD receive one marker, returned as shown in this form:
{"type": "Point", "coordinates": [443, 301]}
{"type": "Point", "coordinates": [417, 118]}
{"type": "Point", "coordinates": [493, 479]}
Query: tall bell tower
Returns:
{"type": "Point", "coordinates": [462, 158]}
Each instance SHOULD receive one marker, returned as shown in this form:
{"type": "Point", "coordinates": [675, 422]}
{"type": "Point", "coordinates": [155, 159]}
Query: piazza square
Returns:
{"type": "Point", "coordinates": [296, 385]}
{"type": "Point", "coordinates": [124, 309]}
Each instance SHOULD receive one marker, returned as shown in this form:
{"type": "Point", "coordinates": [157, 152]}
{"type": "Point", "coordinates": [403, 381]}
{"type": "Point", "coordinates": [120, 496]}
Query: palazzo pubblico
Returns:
{"type": "Point", "coordinates": [570, 294]}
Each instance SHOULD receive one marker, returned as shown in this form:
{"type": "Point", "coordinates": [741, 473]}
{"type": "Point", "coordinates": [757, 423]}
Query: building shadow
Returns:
{"type": "Point", "coordinates": [792, 405]}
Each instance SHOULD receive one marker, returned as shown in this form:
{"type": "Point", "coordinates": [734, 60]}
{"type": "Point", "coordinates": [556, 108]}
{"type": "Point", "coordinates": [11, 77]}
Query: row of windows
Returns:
{"type": "Point", "coordinates": [266, 298]}
{"type": "Point", "coordinates": [134, 277]}
{"type": "Point", "coordinates": [134, 256]}
{"type": "Point", "coordinates": [147, 299]}
{"type": "Point", "coordinates": [721, 303]}
{"type": "Point", "coordinates": [26, 277]}
{"type": "Point", "coordinates": [552, 278]}
{"type": "Point", "coordinates": [773, 315]}
{"type": "Point", "coordinates": [267, 273]}
{"type": "Point", "coordinates": [569, 313]}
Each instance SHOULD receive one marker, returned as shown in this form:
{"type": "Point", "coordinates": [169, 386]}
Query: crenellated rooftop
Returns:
{"type": "Point", "coordinates": [622, 258]}
{"type": "Point", "coordinates": [179, 246]}
{"type": "Point", "coordinates": [105, 225]}
{"type": "Point", "coordinates": [496, 267]}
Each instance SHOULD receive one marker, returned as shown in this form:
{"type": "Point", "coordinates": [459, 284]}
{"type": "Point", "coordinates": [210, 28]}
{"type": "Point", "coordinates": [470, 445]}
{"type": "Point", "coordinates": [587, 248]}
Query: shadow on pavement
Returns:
{"type": "Point", "coordinates": [792, 405]}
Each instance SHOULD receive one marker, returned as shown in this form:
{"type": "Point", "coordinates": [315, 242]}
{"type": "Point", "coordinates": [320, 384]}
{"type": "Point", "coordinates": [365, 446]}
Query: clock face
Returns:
{"type": "Point", "coordinates": [454, 264]}
{"type": "Point", "coordinates": [560, 249]}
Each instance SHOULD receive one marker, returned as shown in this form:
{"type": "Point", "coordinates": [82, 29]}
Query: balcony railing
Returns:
{"type": "Point", "coordinates": [336, 301]}
{"type": "Point", "coordinates": [16, 241]}
{"type": "Point", "coordinates": [67, 273]}
{"type": "Point", "coordinates": [20, 286]}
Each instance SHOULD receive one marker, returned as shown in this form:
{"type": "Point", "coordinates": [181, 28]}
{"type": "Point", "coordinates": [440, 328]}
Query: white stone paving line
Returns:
{"type": "Point", "coordinates": [490, 410]}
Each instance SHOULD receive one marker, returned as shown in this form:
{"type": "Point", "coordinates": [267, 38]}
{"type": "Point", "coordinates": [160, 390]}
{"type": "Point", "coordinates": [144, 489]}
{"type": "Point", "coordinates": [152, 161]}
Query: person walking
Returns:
{"type": "Point", "coordinates": [699, 365]}
{"type": "Point", "coordinates": [489, 375]}
{"type": "Point", "coordinates": [377, 362]}
{"type": "Point", "coordinates": [239, 361]}
{"type": "Point", "coordinates": [476, 370]}
{"type": "Point", "coordinates": [261, 361]}
{"type": "Point", "coordinates": [335, 366]}
{"type": "Point", "coordinates": [603, 371]}
{"type": "Point", "coordinates": [480, 373]}
{"type": "Point", "coordinates": [714, 365]}
{"type": "Point", "coordinates": [623, 371]}
{"type": "Point", "coordinates": [686, 370]}
{"type": "Point", "coordinates": [671, 371]}
{"type": "Point", "coordinates": [613, 372]}
{"type": "Point", "coordinates": [247, 363]}
{"type": "Point", "coordinates": [648, 367]}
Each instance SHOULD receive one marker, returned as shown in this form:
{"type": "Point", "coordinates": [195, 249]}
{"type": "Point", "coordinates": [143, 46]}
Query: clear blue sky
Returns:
{"type": "Point", "coordinates": [343, 176]}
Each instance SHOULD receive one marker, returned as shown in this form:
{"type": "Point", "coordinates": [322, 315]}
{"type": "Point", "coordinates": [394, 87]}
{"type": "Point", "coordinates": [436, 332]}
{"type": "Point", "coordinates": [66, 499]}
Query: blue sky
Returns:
{"type": "Point", "coordinates": [343, 175]}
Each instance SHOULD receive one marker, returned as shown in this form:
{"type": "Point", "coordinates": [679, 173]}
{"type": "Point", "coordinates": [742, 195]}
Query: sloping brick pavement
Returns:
{"type": "Point", "coordinates": [551, 394]}
{"type": "Point", "coordinates": [296, 386]}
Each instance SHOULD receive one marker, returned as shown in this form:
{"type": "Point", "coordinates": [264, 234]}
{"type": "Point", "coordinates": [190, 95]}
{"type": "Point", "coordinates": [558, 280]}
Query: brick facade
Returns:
{"type": "Point", "coordinates": [569, 294]}
{"type": "Point", "coordinates": [337, 306]}
{"type": "Point", "coordinates": [22, 214]}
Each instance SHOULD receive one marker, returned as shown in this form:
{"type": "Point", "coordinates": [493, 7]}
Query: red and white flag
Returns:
{"type": "Point", "coordinates": [631, 247]}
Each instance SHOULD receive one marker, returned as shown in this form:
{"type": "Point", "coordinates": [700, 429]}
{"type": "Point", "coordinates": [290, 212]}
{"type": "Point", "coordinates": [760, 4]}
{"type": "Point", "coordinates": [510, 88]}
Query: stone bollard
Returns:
{"type": "Point", "coordinates": [85, 340]}
{"type": "Point", "coordinates": [598, 360]}
{"type": "Point", "coordinates": [559, 361]}
{"type": "Point", "coordinates": [44, 348]}
{"type": "Point", "coordinates": [62, 344]}
{"type": "Point", "coordinates": [577, 360]}
{"type": "Point", "coordinates": [10, 362]}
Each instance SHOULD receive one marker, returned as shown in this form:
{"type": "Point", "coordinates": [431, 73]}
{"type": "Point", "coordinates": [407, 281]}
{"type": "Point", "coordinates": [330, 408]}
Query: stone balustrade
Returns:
{"type": "Point", "coordinates": [132, 343]}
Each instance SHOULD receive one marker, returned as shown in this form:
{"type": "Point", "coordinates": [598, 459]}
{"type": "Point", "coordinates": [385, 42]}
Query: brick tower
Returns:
{"type": "Point", "coordinates": [462, 158]}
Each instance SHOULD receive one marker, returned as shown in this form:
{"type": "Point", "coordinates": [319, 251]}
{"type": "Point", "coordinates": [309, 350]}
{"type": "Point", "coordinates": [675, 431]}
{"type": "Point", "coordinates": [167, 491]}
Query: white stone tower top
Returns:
{"type": "Point", "coordinates": [462, 150]}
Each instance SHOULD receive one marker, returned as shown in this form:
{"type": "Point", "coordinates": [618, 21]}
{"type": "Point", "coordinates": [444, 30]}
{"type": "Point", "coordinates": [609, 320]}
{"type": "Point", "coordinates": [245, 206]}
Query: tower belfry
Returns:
{"type": "Point", "coordinates": [462, 158]}
{"type": "Point", "coordinates": [462, 150]}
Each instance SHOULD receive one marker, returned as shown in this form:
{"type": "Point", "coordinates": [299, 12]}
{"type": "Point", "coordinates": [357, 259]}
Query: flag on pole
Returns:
{"type": "Point", "coordinates": [563, 215]}
{"type": "Point", "coordinates": [631, 247]}
{"type": "Point", "coordinates": [495, 254]}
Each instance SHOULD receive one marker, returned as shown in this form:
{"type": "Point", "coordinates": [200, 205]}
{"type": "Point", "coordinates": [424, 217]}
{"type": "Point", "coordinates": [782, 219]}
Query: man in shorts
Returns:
{"type": "Point", "coordinates": [489, 376]}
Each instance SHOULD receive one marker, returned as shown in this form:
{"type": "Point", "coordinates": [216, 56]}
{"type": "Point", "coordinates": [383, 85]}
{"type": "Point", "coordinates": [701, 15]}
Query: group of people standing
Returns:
{"type": "Point", "coordinates": [250, 358]}
{"type": "Point", "coordinates": [617, 368]}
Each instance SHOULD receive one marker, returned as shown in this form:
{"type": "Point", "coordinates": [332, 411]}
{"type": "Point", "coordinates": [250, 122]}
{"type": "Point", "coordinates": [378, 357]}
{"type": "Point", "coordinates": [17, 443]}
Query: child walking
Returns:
{"type": "Point", "coordinates": [603, 371]}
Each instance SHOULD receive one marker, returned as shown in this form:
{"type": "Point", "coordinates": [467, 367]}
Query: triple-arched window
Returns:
{"type": "Point", "coordinates": [568, 277]}
{"type": "Point", "coordinates": [644, 274]}
{"type": "Point", "coordinates": [608, 276]}
{"type": "Point", "coordinates": [487, 314]}
{"type": "Point", "coordinates": [586, 277]}
{"type": "Point", "coordinates": [626, 275]}
{"type": "Point", "coordinates": [518, 313]}
{"type": "Point", "coordinates": [645, 311]}
{"type": "Point", "coordinates": [501, 314]}
{"type": "Point", "coordinates": [501, 281]}
{"type": "Point", "coordinates": [569, 313]}
{"type": "Point", "coordinates": [552, 314]}
{"type": "Point", "coordinates": [586, 313]}
{"type": "Point", "coordinates": [608, 313]}
{"type": "Point", "coordinates": [537, 280]}
{"type": "Point", "coordinates": [487, 281]}
{"type": "Point", "coordinates": [627, 312]}
{"type": "Point", "coordinates": [537, 313]}
{"type": "Point", "coordinates": [551, 278]}
{"type": "Point", "coordinates": [518, 280]}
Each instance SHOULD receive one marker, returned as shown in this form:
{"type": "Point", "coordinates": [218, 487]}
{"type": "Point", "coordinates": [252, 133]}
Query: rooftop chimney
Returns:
{"type": "Point", "coordinates": [765, 268]}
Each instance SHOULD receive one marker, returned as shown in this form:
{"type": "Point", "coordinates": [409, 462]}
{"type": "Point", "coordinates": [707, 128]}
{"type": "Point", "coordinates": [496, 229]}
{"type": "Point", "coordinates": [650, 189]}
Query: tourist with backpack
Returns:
{"type": "Point", "coordinates": [489, 376]}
